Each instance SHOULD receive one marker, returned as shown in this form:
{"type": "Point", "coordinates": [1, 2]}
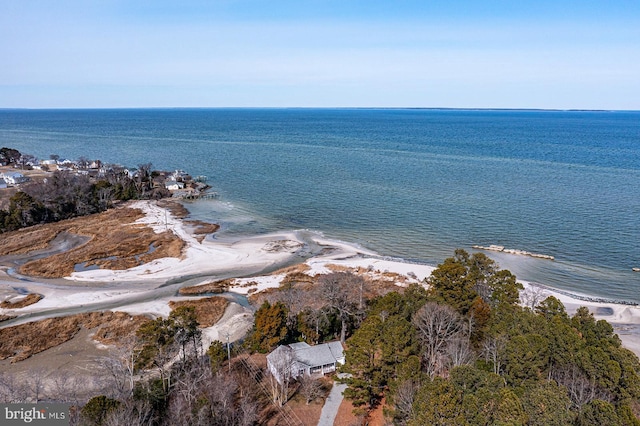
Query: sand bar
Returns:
{"type": "Point", "coordinates": [148, 288]}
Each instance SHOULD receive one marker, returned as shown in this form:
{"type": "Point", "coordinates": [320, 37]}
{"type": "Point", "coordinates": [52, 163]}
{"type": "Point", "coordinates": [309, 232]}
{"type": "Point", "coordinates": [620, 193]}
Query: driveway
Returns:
{"type": "Point", "coordinates": [332, 403]}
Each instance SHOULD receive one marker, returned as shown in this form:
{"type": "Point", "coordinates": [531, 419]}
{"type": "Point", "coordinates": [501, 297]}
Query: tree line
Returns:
{"type": "Point", "coordinates": [465, 352]}
{"type": "Point", "coordinates": [467, 348]}
{"type": "Point", "coordinates": [162, 375]}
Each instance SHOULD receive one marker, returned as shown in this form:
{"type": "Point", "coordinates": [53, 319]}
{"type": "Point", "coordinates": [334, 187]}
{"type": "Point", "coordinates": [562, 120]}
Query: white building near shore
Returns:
{"type": "Point", "coordinates": [298, 359]}
{"type": "Point", "coordinates": [13, 178]}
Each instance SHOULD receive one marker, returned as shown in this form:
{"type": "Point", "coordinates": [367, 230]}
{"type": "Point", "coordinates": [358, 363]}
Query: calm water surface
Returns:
{"type": "Point", "coordinates": [414, 184]}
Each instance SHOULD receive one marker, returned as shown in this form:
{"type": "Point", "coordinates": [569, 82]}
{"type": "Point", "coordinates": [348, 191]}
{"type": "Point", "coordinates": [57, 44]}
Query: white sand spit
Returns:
{"type": "Point", "coordinates": [124, 290]}
{"type": "Point", "coordinates": [250, 254]}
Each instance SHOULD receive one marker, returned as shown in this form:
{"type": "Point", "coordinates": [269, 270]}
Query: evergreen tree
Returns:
{"type": "Point", "coordinates": [438, 403]}
{"type": "Point", "coordinates": [269, 327]}
{"type": "Point", "coordinates": [547, 404]}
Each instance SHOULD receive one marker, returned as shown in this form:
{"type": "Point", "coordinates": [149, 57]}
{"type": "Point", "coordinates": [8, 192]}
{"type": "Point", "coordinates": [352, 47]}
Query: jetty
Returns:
{"type": "Point", "coordinates": [502, 249]}
{"type": "Point", "coordinates": [192, 195]}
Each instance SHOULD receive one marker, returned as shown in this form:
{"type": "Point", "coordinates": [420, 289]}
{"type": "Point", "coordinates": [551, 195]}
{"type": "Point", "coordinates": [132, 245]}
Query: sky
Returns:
{"type": "Point", "coordinates": [320, 53]}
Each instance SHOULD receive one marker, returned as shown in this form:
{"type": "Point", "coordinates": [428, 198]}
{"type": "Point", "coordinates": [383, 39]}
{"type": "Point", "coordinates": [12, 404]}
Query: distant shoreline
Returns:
{"type": "Point", "coordinates": [337, 108]}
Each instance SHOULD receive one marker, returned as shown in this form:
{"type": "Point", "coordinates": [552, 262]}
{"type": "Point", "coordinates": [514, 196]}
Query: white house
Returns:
{"type": "Point", "coordinates": [14, 178]}
{"type": "Point", "coordinates": [180, 175]}
{"type": "Point", "coordinates": [302, 359]}
{"type": "Point", "coordinates": [51, 164]}
{"type": "Point", "coordinates": [173, 185]}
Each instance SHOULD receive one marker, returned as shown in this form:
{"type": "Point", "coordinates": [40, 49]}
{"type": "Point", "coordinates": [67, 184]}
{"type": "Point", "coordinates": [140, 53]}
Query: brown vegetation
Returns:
{"type": "Point", "coordinates": [301, 267]}
{"type": "Point", "coordinates": [26, 240]}
{"type": "Point", "coordinates": [296, 280]}
{"type": "Point", "coordinates": [212, 287]}
{"type": "Point", "coordinates": [21, 341]}
{"type": "Point", "coordinates": [201, 229]}
{"type": "Point", "coordinates": [377, 283]}
{"type": "Point", "coordinates": [345, 416]}
{"type": "Point", "coordinates": [115, 242]}
{"type": "Point", "coordinates": [30, 299]}
{"type": "Point", "coordinates": [175, 207]}
{"type": "Point", "coordinates": [208, 310]}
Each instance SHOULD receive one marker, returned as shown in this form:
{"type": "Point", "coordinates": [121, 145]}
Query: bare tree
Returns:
{"type": "Point", "coordinates": [437, 325]}
{"type": "Point", "coordinates": [582, 390]}
{"type": "Point", "coordinates": [342, 291]}
{"type": "Point", "coordinates": [65, 386]}
{"type": "Point", "coordinates": [35, 381]}
{"type": "Point", "coordinates": [404, 401]}
{"type": "Point", "coordinates": [293, 298]}
{"type": "Point", "coordinates": [25, 159]}
{"type": "Point", "coordinates": [532, 296]}
{"type": "Point", "coordinates": [280, 374]}
{"type": "Point", "coordinates": [116, 174]}
{"type": "Point", "coordinates": [247, 412]}
{"type": "Point", "coordinates": [219, 393]}
{"type": "Point", "coordinates": [105, 197]}
{"type": "Point", "coordinates": [310, 388]}
{"type": "Point", "coordinates": [12, 390]}
{"type": "Point", "coordinates": [493, 349]}
{"type": "Point", "coordinates": [459, 351]}
{"type": "Point", "coordinates": [130, 412]}
{"type": "Point", "coordinates": [143, 178]}
{"type": "Point", "coordinates": [83, 162]}
{"type": "Point", "coordinates": [190, 384]}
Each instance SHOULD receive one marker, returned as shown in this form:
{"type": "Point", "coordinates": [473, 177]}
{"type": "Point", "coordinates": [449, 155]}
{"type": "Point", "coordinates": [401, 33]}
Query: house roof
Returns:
{"type": "Point", "coordinates": [13, 174]}
{"type": "Point", "coordinates": [326, 353]}
{"type": "Point", "coordinates": [312, 356]}
{"type": "Point", "coordinates": [299, 345]}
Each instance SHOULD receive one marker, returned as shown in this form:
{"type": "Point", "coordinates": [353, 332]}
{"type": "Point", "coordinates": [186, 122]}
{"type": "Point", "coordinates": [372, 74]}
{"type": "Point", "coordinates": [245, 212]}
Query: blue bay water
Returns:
{"type": "Point", "coordinates": [414, 184]}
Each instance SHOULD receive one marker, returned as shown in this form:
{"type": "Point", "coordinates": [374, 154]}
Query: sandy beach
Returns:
{"type": "Point", "coordinates": [250, 261]}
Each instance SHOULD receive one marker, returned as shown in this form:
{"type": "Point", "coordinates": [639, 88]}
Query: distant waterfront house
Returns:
{"type": "Point", "coordinates": [173, 185]}
{"type": "Point", "coordinates": [51, 164]}
{"type": "Point", "coordinates": [180, 175]}
{"type": "Point", "coordinates": [303, 359]}
{"type": "Point", "coordinates": [14, 178]}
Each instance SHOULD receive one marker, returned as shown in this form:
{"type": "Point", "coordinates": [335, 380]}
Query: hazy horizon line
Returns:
{"type": "Point", "coordinates": [315, 108]}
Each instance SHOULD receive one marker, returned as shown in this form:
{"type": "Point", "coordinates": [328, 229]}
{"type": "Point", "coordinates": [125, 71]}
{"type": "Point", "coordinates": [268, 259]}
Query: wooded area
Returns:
{"type": "Point", "coordinates": [466, 353]}
{"type": "Point", "coordinates": [460, 350]}
{"type": "Point", "coordinates": [64, 194]}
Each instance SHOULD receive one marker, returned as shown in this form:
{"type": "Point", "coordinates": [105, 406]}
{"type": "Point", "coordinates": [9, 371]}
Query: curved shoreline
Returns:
{"type": "Point", "coordinates": [584, 298]}
{"type": "Point", "coordinates": [148, 288]}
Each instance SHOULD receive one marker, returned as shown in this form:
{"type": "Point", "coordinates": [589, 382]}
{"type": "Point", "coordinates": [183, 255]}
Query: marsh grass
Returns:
{"type": "Point", "coordinates": [115, 241]}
